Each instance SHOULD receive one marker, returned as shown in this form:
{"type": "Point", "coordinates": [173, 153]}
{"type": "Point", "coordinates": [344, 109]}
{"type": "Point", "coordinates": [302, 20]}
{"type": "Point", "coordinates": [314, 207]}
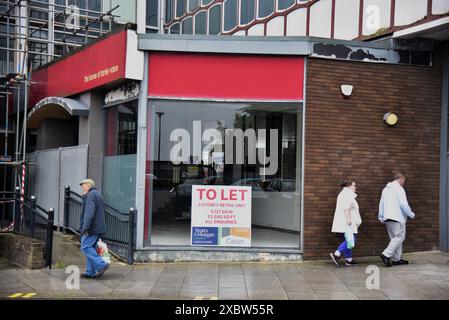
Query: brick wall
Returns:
{"type": "Point", "coordinates": [347, 138]}
{"type": "Point", "coordinates": [22, 251]}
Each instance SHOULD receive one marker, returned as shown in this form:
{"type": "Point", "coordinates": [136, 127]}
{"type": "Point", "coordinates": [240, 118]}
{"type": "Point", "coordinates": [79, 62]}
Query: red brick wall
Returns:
{"type": "Point", "coordinates": [348, 138]}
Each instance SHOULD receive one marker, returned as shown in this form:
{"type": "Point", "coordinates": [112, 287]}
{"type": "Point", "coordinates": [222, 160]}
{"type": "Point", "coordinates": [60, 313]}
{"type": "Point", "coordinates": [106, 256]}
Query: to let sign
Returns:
{"type": "Point", "coordinates": [221, 216]}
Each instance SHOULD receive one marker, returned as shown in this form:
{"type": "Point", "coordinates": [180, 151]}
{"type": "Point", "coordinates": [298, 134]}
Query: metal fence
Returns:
{"type": "Point", "coordinates": [7, 203]}
{"type": "Point", "coordinates": [33, 221]}
{"type": "Point", "coordinates": [120, 226]}
{"type": "Point", "coordinates": [53, 170]}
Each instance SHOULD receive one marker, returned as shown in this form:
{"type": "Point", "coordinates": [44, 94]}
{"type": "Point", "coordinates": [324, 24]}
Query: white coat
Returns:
{"type": "Point", "coordinates": [346, 200]}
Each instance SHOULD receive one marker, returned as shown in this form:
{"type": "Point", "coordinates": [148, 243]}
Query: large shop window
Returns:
{"type": "Point", "coordinates": [119, 164]}
{"type": "Point", "coordinates": [264, 154]}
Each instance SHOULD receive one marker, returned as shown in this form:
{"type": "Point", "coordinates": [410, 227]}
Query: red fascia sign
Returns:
{"type": "Point", "coordinates": [98, 64]}
{"type": "Point", "coordinates": [226, 76]}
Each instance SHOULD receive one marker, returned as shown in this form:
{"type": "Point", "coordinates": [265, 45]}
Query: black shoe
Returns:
{"type": "Point", "coordinates": [400, 262]}
{"type": "Point", "coordinates": [86, 276]}
{"type": "Point", "coordinates": [385, 260]}
{"type": "Point", "coordinates": [350, 263]}
{"type": "Point", "coordinates": [335, 259]}
{"type": "Point", "coordinates": [101, 272]}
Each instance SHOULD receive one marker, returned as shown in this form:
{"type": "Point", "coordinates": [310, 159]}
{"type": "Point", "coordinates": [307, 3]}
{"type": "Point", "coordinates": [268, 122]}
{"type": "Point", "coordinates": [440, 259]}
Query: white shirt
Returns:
{"type": "Point", "coordinates": [393, 204]}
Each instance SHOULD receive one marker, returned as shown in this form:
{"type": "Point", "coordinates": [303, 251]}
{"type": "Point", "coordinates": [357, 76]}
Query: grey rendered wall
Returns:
{"type": "Point", "coordinates": [91, 132]}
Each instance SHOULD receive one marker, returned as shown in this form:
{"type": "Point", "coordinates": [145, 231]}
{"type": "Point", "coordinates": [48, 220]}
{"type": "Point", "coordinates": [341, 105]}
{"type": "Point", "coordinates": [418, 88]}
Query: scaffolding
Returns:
{"type": "Point", "coordinates": [34, 33]}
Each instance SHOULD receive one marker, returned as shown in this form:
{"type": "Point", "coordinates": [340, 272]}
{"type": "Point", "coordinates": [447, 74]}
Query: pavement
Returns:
{"type": "Point", "coordinates": [427, 277]}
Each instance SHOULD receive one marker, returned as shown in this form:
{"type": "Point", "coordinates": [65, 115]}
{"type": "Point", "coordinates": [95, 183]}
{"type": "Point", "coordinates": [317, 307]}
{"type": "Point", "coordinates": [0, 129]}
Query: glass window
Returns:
{"type": "Point", "coordinates": [266, 7]}
{"type": "Point", "coordinates": [181, 8]}
{"type": "Point", "coordinates": [119, 181]}
{"type": "Point", "coordinates": [187, 26]}
{"type": "Point", "coordinates": [215, 20]}
{"type": "Point", "coordinates": [119, 163]}
{"type": "Point", "coordinates": [240, 144]}
{"type": "Point", "coordinates": [152, 13]}
{"type": "Point", "coordinates": [94, 5]}
{"type": "Point", "coordinates": [169, 7]}
{"type": "Point", "coordinates": [206, 2]}
{"type": "Point", "coordinates": [200, 23]}
{"type": "Point", "coordinates": [230, 14]}
{"type": "Point", "coordinates": [247, 11]}
{"type": "Point", "coordinates": [174, 29]}
{"type": "Point", "coordinates": [193, 4]}
{"type": "Point", "coordinates": [284, 4]}
{"type": "Point", "coordinates": [121, 129]}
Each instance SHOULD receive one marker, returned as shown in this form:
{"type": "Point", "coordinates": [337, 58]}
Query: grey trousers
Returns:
{"type": "Point", "coordinates": [396, 232]}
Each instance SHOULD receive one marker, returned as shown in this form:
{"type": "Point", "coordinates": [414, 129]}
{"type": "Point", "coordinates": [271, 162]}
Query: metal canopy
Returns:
{"type": "Point", "coordinates": [56, 108]}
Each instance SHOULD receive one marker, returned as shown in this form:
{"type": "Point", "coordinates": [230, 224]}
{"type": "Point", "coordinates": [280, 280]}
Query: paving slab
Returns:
{"type": "Point", "coordinates": [427, 277]}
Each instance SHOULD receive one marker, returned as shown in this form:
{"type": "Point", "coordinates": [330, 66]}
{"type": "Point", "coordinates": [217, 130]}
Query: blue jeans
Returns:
{"type": "Point", "coordinates": [94, 262]}
{"type": "Point", "coordinates": [343, 248]}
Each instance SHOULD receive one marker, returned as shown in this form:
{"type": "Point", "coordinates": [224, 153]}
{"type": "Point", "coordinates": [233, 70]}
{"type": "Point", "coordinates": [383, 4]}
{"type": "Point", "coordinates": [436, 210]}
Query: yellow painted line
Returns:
{"type": "Point", "coordinates": [22, 295]}
{"type": "Point", "coordinates": [205, 298]}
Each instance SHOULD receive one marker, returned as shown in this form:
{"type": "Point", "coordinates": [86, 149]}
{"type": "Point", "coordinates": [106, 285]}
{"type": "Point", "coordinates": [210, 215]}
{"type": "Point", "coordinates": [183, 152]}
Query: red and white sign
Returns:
{"type": "Point", "coordinates": [221, 215]}
{"type": "Point", "coordinates": [106, 61]}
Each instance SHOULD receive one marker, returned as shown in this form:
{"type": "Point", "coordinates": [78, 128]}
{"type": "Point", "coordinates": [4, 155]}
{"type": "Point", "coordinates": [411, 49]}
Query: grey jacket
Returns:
{"type": "Point", "coordinates": [92, 214]}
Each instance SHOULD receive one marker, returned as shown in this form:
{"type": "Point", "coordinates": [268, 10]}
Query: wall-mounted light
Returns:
{"type": "Point", "coordinates": [346, 90]}
{"type": "Point", "coordinates": [390, 118]}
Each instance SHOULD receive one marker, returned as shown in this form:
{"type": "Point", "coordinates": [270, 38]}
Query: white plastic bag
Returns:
{"type": "Point", "coordinates": [349, 237]}
{"type": "Point", "coordinates": [102, 250]}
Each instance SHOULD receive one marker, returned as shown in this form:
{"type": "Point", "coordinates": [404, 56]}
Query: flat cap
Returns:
{"type": "Point", "coordinates": [88, 181]}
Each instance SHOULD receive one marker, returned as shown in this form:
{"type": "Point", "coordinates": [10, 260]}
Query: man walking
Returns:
{"type": "Point", "coordinates": [92, 226]}
{"type": "Point", "coordinates": [394, 211]}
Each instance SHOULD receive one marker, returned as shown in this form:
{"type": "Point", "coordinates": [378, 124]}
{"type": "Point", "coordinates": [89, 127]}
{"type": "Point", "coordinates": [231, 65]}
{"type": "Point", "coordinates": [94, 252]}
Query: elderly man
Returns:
{"type": "Point", "coordinates": [92, 226]}
{"type": "Point", "coordinates": [394, 211]}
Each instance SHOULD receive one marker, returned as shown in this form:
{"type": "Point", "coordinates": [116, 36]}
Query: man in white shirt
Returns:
{"type": "Point", "coordinates": [394, 211]}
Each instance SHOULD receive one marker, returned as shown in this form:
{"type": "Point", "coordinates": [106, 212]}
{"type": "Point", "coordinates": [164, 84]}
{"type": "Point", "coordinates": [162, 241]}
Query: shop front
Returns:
{"type": "Point", "coordinates": [233, 149]}
{"type": "Point", "coordinates": [284, 121]}
{"type": "Point", "coordinates": [224, 120]}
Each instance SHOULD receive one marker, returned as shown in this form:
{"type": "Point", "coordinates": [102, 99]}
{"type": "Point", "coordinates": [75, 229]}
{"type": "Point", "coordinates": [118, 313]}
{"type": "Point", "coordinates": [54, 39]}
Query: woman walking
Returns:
{"type": "Point", "coordinates": [346, 221]}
